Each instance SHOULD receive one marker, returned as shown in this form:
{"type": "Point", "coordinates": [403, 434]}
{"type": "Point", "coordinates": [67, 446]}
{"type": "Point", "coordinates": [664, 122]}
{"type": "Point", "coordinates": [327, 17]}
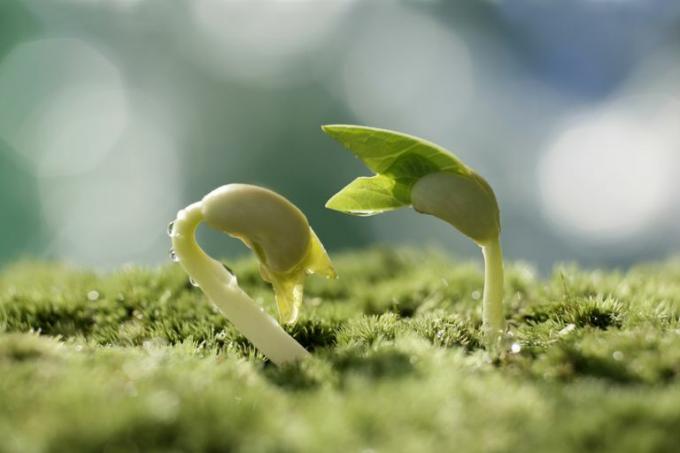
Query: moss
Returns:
{"type": "Point", "coordinates": [136, 360]}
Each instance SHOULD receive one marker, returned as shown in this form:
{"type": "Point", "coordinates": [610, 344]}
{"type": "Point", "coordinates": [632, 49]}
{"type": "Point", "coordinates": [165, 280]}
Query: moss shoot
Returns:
{"type": "Point", "coordinates": [137, 360]}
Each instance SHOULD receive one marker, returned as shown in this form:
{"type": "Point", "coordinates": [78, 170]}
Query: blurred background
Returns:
{"type": "Point", "coordinates": [114, 114]}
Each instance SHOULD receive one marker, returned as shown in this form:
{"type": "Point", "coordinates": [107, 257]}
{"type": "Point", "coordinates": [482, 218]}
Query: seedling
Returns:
{"type": "Point", "coordinates": [287, 248]}
{"type": "Point", "coordinates": [410, 171]}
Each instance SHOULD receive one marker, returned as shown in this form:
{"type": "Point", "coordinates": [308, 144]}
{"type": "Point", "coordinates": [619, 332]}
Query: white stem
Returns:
{"type": "Point", "coordinates": [492, 306]}
{"type": "Point", "coordinates": [221, 288]}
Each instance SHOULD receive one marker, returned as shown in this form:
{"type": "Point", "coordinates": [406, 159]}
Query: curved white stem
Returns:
{"type": "Point", "coordinates": [492, 305]}
{"type": "Point", "coordinates": [221, 288]}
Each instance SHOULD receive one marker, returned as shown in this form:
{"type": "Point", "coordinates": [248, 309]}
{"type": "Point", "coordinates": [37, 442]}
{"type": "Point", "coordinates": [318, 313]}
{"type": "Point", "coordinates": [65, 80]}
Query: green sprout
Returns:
{"type": "Point", "coordinates": [287, 248]}
{"type": "Point", "coordinates": [410, 171]}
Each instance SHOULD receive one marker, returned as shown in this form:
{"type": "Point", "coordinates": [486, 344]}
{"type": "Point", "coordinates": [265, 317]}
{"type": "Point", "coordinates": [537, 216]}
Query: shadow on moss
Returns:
{"type": "Point", "coordinates": [598, 312]}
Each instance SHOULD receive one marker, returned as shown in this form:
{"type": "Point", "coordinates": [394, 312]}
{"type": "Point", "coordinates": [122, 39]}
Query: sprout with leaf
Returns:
{"type": "Point", "coordinates": [286, 246]}
{"type": "Point", "coordinates": [410, 171]}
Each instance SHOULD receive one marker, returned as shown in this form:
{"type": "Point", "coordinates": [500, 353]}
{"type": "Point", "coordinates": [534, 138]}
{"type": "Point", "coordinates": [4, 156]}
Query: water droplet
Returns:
{"type": "Point", "coordinates": [193, 282]}
{"type": "Point", "coordinates": [360, 213]}
{"type": "Point", "coordinates": [617, 355]}
{"type": "Point", "coordinates": [171, 228]}
{"type": "Point", "coordinates": [515, 348]}
{"type": "Point", "coordinates": [173, 256]}
{"type": "Point", "coordinates": [233, 280]}
{"type": "Point", "coordinates": [93, 295]}
{"type": "Point", "coordinates": [476, 295]}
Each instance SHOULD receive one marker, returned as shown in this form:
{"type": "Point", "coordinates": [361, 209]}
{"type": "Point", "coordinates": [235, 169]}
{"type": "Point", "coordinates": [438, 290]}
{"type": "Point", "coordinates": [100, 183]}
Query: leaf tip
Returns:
{"type": "Point", "coordinates": [332, 204]}
{"type": "Point", "coordinates": [332, 129]}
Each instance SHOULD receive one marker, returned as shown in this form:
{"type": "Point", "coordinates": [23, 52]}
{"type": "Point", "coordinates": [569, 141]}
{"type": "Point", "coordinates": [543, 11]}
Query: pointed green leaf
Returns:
{"type": "Point", "coordinates": [402, 157]}
{"type": "Point", "coordinates": [369, 196]}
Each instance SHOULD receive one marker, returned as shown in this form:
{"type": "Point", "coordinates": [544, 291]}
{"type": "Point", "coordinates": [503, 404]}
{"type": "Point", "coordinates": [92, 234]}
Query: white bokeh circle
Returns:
{"type": "Point", "coordinates": [607, 176]}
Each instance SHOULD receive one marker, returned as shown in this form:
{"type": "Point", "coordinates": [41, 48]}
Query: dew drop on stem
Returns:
{"type": "Point", "coordinates": [193, 282]}
{"type": "Point", "coordinates": [234, 280]}
{"type": "Point", "coordinates": [171, 227]}
{"type": "Point", "coordinates": [173, 256]}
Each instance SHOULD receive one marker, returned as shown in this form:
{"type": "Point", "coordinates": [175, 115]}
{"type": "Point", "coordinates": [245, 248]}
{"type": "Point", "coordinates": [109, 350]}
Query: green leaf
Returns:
{"type": "Point", "coordinates": [414, 172]}
{"type": "Point", "coordinates": [402, 157]}
{"type": "Point", "coordinates": [369, 196]}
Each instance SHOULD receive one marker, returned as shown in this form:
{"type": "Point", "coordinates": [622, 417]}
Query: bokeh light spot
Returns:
{"type": "Point", "coordinates": [607, 177]}
{"type": "Point", "coordinates": [64, 105]}
{"type": "Point", "coordinates": [415, 78]}
{"type": "Point", "coordinates": [262, 41]}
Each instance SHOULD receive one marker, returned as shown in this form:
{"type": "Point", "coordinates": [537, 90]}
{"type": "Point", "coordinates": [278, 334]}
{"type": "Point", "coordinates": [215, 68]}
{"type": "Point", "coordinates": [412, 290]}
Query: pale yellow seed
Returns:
{"type": "Point", "coordinates": [465, 201]}
{"type": "Point", "coordinates": [272, 226]}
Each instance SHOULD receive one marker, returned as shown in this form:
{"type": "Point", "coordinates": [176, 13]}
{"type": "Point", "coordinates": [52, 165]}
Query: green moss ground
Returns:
{"type": "Point", "coordinates": [136, 360]}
